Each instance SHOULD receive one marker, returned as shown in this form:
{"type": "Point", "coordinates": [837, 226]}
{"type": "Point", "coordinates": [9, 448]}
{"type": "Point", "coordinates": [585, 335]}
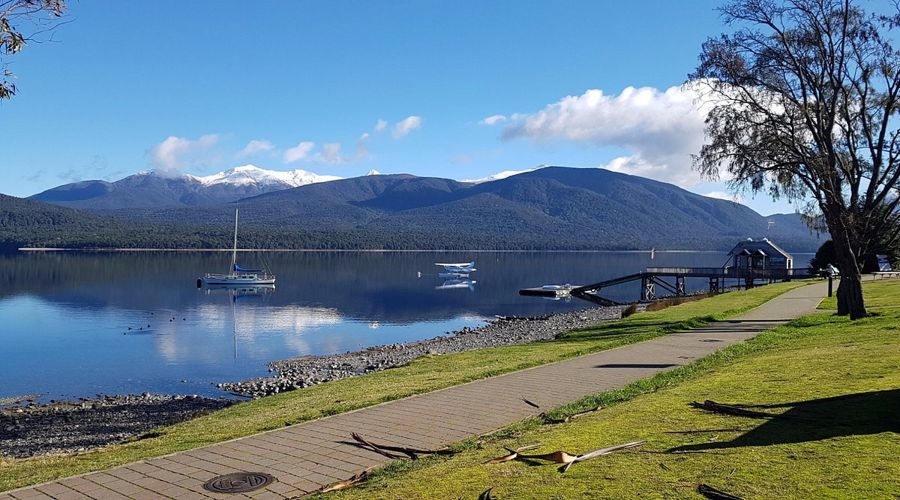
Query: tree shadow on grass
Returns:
{"type": "Point", "coordinates": [605, 331]}
{"type": "Point", "coordinates": [848, 415]}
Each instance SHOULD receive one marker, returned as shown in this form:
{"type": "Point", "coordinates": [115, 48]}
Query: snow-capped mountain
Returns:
{"type": "Point", "coordinates": [501, 175]}
{"type": "Point", "coordinates": [246, 175]}
{"type": "Point", "coordinates": [156, 190]}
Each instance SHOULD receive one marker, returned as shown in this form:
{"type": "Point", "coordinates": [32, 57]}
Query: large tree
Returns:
{"type": "Point", "coordinates": [804, 98]}
{"type": "Point", "coordinates": [20, 22]}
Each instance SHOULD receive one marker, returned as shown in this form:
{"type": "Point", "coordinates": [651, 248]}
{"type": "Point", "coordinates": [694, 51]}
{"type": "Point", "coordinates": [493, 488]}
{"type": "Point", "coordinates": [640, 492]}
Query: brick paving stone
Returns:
{"type": "Point", "coordinates": [33, 495]}
{"type": "Point", "coordinates": [106, 494]}
{"type": "Point", "coordinates": [309, 455]}
{"type": "Point", "coordinates": [54, 489]}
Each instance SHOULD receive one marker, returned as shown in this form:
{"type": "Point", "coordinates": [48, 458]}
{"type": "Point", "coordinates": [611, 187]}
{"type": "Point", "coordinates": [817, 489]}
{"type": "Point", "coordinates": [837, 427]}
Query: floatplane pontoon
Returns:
{"type": "Point", "coordinates": [238, 275]}
{"type": "Point", "coordinates": [456, 269]}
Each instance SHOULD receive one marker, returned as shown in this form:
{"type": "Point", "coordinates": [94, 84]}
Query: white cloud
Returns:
{"type": "Point", "coordinates": [406, 125]}
{"type": "Point", "coordinates": [722, 195]}
{"type": "Point", "coordinates": [255, 147]}
{"type": "Point", "coordinates": [362, 146]}
{"type": "Point", "coordinates": [380, 125]}
{"type": "Point", "coordinates": [174, 153]}
{"type": "Point", "coordinates": [331, 153]}
{"type": "Point", "coordinates": [493, 120]}
{"type": "Point", "coordinates": [661, 129]}
{"type": "Point", "coordinates": [298, 152]}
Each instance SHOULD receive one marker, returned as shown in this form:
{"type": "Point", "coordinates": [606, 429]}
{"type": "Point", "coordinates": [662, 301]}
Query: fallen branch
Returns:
{"type": "Point", "coordinates": [568, 418]}
{"type": "Point", "coordinates": [735, 410]}
{"type": "Point", "coordinates": [383, 449]}
{"type": "Point", "coordinates": [513, 454]}
{"type": "Point", "coordinates": [561, 457]}
{"type": "Point", "coordinates": [710, 492]}
{"type": "Point", "coordinates": [362, 443]}
{"type": "Point", "coordinates": [530, 403]}
{"type": "Point", "coordinates": [340, 485]}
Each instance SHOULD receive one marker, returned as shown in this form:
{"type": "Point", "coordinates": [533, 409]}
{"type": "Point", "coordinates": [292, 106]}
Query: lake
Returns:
{"type": "Point", "coordinates": [77, 324]}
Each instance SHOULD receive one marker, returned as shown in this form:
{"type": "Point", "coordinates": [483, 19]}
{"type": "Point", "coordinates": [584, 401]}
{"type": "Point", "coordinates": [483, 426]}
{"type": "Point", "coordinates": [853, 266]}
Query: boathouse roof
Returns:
{"type": "Point", "coordinates": [762, 246]}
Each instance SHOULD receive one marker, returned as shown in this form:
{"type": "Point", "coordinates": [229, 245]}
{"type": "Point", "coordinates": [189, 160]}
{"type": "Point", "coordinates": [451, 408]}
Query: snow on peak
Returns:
{"type": "Point", "coordinates": [373, 172]}
{"type": "Point", "coordinates": [246, 175]}
{"type": "Point", "coordinates": [500, 175]}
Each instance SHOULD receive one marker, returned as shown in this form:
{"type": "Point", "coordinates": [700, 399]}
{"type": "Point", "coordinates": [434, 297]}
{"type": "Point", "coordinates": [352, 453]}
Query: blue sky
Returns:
{"type": "Point", "coordinates": [186, 86]}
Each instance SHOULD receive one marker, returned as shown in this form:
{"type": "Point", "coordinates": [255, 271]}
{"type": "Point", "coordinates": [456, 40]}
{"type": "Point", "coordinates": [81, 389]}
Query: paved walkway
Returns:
{"type": "Point", "coordinates": [306, 456]}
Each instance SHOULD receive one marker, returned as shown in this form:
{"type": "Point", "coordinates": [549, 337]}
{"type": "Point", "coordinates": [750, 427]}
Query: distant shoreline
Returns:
{"type": "Point", "coordinates": [371, 250]}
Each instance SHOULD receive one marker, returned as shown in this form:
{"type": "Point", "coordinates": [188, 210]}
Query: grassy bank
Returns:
{"type": "Point", "coordinates": [836, 384]}
{"type": "Point", "coordinates": [879, 294]}
{"type": "Point", "coordinates": [425, 374]}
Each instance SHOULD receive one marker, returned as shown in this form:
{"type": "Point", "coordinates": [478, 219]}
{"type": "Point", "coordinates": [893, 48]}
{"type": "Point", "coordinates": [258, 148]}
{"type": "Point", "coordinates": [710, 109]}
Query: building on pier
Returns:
{"type": "Point", "coordinates": [760, 254]}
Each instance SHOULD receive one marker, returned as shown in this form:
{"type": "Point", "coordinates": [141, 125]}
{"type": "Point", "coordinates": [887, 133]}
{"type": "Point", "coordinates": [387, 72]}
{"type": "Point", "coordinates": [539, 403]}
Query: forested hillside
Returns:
{"type": "Point", "coordinates": [553, 208]}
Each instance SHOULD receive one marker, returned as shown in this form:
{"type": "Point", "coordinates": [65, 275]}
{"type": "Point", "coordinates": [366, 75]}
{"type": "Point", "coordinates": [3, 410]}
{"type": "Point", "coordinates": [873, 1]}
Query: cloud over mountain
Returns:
{"type": "Point", "coordinates": [406, 125]}
{"type": "Point", "coordinates": [256, 146]}
{"type": "Point", "coordinates": [174, 153]}
{"type": "Point", "coordinates": [298, 152]}
{"type": "Point", "coordinates": [661, 129]}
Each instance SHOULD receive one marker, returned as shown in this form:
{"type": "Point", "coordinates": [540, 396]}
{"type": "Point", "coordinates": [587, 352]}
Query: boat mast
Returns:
{"type": "Point", "coordinates": [234, 252]}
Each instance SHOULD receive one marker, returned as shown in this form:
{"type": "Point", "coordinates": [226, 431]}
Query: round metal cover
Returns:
{"type": "Point", "coordinates": [238, 482]}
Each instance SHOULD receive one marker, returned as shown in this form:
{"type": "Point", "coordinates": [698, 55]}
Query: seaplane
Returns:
{"type": "Point", "coordinates": [456, 269]}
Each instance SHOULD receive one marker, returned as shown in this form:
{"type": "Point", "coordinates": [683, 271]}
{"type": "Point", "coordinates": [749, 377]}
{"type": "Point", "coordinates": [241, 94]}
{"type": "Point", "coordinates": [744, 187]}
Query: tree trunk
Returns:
{"type": "Point", "coordinates": [849, 293]}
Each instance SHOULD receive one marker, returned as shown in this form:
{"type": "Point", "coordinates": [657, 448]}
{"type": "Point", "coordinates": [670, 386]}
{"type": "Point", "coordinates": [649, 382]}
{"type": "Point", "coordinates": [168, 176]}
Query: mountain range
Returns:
{"type": "Point", "coordinates": [155, 190]}
{"type": "Point", "coordinates": [554, 208]}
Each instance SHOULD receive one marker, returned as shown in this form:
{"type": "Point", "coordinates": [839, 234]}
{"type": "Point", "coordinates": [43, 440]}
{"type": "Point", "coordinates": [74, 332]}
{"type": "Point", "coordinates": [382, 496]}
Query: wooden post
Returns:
{"type": "Point", "coordinates": [830, 278]}
{"type": "Point", "coordinates": [648, 290]}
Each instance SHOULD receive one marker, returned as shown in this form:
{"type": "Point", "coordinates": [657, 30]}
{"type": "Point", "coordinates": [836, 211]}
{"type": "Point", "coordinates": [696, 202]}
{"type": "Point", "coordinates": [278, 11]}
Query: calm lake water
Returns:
{"type": "Point", "coordinates": [79, 324]}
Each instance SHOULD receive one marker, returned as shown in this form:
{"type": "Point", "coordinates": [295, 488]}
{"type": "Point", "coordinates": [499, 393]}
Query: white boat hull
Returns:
{"type": "Point", "coordinates": [213, 279]}
{"type": "Point", "coordinates": [237, 275]}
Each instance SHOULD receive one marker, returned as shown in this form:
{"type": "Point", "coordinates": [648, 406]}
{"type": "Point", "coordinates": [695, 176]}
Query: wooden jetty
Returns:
{"type": "Point", "coordinates": [672, 280]}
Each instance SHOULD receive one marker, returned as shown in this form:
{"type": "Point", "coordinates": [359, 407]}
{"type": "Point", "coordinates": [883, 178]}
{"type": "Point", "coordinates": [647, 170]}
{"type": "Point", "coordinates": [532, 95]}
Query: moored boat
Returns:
{"type": "Point", "coordinates": [238, 275]}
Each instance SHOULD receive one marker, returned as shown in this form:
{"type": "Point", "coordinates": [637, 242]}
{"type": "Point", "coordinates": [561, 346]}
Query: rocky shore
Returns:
{"type": "Point", "coordinates": [305, 371]}
{"type": "Point", "coordinates": [28, 429]}
{"type": "Point", "coordinates": [73, 426]}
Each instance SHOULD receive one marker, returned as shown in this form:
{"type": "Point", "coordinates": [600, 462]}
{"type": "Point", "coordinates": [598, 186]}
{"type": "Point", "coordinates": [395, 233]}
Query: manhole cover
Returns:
{"type": "Point", "coordinates": [238, 482]}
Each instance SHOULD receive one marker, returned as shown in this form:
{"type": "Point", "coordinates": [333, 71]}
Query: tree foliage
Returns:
{"type": "Point", "coordinates": [824, 257]}
{"type": "Point", "coordinates": [20, 21]}
{"type": "Point", "coordinates": [804, 96]}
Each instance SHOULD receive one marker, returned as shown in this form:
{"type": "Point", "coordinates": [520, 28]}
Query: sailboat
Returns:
{"type": "Point", "coordinates": [238, 275]}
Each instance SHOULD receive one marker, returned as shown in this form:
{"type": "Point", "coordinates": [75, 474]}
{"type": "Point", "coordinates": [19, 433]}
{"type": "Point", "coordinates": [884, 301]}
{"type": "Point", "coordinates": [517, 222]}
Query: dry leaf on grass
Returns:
{"type": "Point", "coordinates": [562, 457]}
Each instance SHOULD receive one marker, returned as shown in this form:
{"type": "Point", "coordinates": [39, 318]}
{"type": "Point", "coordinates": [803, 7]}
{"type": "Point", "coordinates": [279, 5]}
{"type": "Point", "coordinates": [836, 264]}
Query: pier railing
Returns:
{"type": "Point", "coordinates": [731, 272]}
{"type": "Point", "coordinates": [717, 276]}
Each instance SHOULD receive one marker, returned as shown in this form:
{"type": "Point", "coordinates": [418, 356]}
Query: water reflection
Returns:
{"type": "Point", "coordinates": [76, 324]}
{"type": "Point", "coordinates": [455, 284]}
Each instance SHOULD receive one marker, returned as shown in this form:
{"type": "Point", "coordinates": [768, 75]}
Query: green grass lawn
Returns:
{"type": "Point", "coordinates": [423, 375]}
{"type": "Point", "coordinates": [878, 294]}
{"type": "Point", "coordinates": [836, 382]}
